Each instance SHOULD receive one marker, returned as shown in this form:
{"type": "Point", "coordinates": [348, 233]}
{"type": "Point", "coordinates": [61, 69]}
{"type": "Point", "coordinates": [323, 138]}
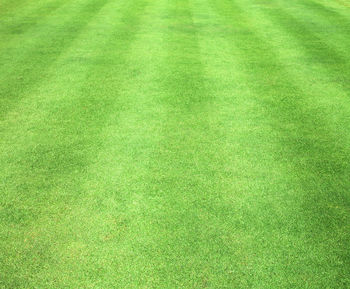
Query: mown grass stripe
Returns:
{"type": "Point", "coordinates": [328, 13]}
{"type": "Point", "coordinates": [329, 25]}
{"type": "Point", "coordinates": [56, 173]}
{"type": "Point", "coordinates": [26, 65]}
{"type": "Point", "coordinates": [296, 135]}
{"type": "Point", "coordinates": [318, 49]}
{"type": "Point", "coordinates": [6, 6]}
{"type": "Point", "coordinates": [185, 101]}
{"type": "Point", "coordinates": [186, 143]}
{"type": "Point", "coordinates": [182, 176]}
{"type": "Point", "coordinates": [14, 25]}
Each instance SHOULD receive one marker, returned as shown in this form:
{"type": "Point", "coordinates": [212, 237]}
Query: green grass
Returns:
{"type": "Point", "coordinates": [175, 144]}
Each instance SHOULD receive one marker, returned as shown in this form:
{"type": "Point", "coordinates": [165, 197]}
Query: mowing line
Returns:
{"type": "Point", "coordinates": [53, 147]}
{"type": "Point", "coordinates": [16, 25]}
{"type": "Point", "coordinates": [28, 63]}
{"type": "Point", "coordinates": [318, 49]}
{"type": "Point", "coordinates": [297, 128]}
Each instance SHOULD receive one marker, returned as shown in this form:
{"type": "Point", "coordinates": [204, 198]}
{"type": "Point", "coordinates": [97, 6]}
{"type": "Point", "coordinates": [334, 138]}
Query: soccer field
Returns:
{"type": "Point", "coordinates": [174, 144]}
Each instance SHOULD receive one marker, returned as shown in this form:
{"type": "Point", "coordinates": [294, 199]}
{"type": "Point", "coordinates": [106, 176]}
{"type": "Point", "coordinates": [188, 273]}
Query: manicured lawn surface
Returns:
{"type": "Point", "coordinates": [175, 144]}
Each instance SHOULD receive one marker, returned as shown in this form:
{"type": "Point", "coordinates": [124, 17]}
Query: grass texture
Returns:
{"type": "Point", "coordinates": [175, 144]}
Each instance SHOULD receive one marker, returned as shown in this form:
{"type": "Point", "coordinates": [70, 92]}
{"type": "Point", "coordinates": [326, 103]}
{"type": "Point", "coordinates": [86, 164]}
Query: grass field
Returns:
{"type": "Point", "coordinates": [175, 144]}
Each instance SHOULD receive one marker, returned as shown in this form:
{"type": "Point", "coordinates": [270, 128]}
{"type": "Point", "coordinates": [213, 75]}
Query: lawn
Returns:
{"type": "Point", "coordinates": [175, 144]}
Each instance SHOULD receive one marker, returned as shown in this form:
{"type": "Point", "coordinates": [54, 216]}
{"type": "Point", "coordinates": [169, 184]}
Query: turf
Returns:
{"type": "Point", "coordinates": [175, 144]}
